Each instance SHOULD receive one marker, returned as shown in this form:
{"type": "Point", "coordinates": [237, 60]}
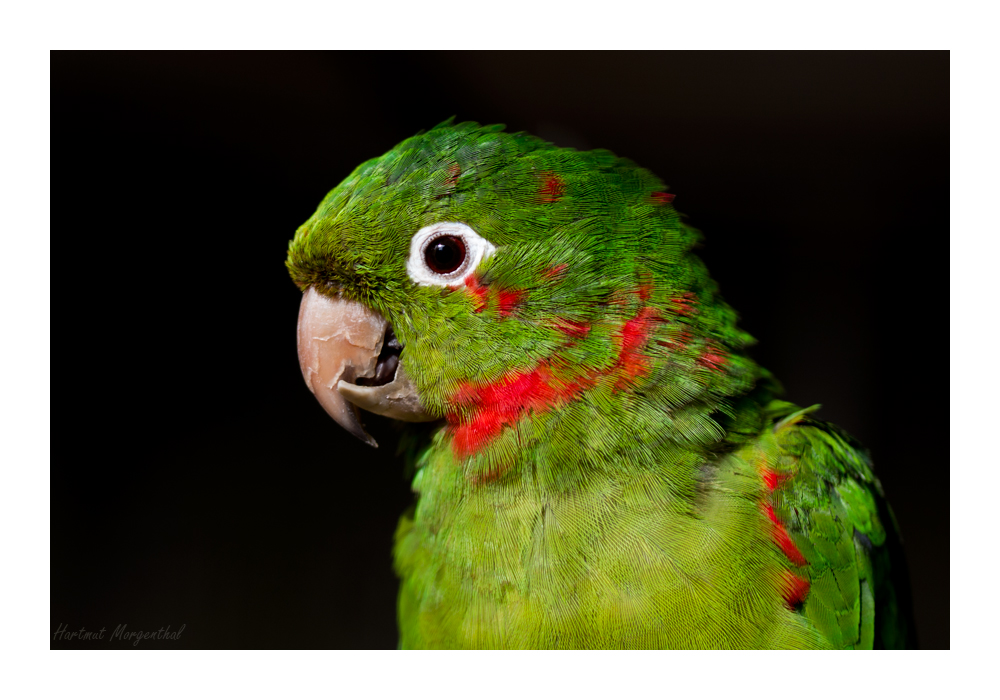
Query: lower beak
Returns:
{"type": "Point", "coordinates": [340, 343]}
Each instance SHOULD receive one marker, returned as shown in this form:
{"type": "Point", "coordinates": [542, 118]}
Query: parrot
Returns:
{"type": "Point", "coordinates": [597, 462]}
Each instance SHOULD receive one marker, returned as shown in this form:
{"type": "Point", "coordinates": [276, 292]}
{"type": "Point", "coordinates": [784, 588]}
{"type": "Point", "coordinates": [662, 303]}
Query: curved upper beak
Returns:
{"type": "Point", "coordinates": [341, 342]}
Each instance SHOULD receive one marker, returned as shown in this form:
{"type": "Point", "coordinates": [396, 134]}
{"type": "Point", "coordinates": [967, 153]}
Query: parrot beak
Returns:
{"type": "Point", "coordinates": [349, 358]}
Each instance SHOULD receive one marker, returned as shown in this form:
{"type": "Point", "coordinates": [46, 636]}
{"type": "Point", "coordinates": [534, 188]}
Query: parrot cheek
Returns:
{"type": "Point", "coordinates": [339, 343]}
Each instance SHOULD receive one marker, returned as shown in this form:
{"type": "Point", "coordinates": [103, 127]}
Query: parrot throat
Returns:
{"type": "Point", "coordinates": [493, 406]}
{"type": "Point", "coordinates": [488, 419]}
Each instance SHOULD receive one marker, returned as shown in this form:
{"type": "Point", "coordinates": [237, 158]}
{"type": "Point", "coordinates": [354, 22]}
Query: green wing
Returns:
{"type": "Point", "coordinates": [834, 510]}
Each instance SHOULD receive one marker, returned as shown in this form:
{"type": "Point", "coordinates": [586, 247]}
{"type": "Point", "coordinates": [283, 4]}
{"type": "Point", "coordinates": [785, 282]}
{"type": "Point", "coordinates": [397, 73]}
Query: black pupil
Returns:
{"type": "Point", "coordinates": [445, 254]}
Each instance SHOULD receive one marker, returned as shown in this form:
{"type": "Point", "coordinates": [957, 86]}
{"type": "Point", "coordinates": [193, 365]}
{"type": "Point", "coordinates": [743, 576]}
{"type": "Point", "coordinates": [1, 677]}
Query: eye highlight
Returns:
{"type": "Point", "coordinates": [443, 253]}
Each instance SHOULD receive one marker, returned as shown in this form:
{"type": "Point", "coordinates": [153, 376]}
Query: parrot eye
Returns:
{"type": "Point", "coordinates": [443, 253]}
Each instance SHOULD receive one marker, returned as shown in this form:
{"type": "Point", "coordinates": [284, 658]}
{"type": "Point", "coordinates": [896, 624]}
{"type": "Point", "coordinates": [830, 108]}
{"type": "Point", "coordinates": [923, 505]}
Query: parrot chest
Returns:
{"type": "Point", "coordinates": [617, 564]}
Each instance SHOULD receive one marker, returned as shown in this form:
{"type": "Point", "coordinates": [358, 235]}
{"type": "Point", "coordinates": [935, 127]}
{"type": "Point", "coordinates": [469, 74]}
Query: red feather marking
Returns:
{"type": "Point", "coordinates": [683, 338]}
{"type": "Point", "coordinates": [498, 404]}
{"type": "Point", "coordinates": [772, 479]}
{"type": "Point", "coordinates": [781, 538]}
{"type": "Point", "coordinates": [552, 189]}
{"type": "Point", "coordinates": [504, 402]}
{"type": "Point", "coordinates": [478, 291]}
{"type": "Point", "coordinates": [575, 388]}
{"type": "Point", "coordinates": [662, 198]}
{"type": "Point", "coordinates": [555, 271]}
{"type": "Point", "coordinates": [685, 303]}
{"type": "Point", "coordinates": [712, 359]}
{"type": "Point", "coordinates": [793, 589]}
{"type": "Point", "coordinates": [572, 328]}
{"type": "Point", "coordinates": [632, 362]}
{"type": "Point", "coordinates": [508, 299]}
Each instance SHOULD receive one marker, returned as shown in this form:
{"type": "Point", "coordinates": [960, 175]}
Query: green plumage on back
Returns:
{"type": "Point", "coordinates": [609, 468]}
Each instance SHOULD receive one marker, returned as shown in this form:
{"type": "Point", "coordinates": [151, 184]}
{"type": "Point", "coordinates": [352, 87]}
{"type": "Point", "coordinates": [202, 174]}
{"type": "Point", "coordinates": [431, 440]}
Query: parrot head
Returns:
{"type": "Point", "coordinates": [494, 280]}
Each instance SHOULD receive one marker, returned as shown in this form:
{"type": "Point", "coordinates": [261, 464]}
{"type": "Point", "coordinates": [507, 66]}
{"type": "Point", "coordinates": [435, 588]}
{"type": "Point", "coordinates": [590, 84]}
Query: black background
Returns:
{"type": "Point", "coordinates": [197, 482]}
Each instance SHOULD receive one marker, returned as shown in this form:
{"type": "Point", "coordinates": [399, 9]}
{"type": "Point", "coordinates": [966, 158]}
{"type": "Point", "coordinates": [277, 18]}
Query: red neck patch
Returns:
{"type": "Point", "coordinates": [494, 405]}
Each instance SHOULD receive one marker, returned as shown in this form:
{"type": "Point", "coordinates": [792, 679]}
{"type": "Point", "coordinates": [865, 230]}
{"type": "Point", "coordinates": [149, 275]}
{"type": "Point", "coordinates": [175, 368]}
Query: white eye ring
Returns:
{"type": "Point", "coordinates": [477, 249]}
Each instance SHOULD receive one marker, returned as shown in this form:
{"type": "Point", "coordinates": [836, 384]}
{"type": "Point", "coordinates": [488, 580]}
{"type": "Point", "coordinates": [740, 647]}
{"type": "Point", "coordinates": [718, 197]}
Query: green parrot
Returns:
{"type": "Point", "coordinates": [597, 462]}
